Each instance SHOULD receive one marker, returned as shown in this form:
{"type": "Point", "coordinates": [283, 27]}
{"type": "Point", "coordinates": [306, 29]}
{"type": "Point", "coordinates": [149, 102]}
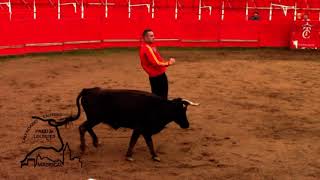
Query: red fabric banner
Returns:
{"type": "Point", "coordinates": [58, 25]}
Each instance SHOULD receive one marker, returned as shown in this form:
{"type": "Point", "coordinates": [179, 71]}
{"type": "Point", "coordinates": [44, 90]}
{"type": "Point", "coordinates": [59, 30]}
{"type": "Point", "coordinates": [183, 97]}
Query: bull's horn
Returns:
{"type": "Point", "coordinates": [190, 102]}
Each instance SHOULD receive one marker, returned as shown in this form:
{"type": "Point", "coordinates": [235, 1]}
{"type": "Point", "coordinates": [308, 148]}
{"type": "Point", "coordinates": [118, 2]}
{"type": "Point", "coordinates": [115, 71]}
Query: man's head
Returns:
{"type": "Point", "coordinates": [148, 36]}
{"type": "Point", "coordinates": [255, 16]}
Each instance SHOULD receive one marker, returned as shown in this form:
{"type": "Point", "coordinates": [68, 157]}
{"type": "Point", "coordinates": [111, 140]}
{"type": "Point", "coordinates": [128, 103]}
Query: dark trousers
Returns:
{"type": "Point", "coordinates": [159, 85]}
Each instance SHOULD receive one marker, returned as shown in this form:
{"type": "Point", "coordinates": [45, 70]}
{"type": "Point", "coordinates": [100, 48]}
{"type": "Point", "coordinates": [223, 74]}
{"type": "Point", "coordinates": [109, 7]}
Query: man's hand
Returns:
{"type": "Point", "coordinates": [172, 61]}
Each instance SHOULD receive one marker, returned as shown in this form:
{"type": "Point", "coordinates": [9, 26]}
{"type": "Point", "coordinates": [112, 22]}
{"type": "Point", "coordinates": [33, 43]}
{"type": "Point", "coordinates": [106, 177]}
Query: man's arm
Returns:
{"type": "Point", "coordinates": [153, 58]}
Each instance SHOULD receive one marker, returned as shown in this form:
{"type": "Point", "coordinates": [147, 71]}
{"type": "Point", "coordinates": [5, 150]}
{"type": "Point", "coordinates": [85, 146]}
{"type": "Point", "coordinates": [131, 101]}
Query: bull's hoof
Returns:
{"type": "Point", "coordinates": [156, 158]}
{"type": "Point", "coordinates": [129, 158]}
{"type": "Point", "coordinates": [82, 147]}
{"type": "Point", "coordinates": [96, 144]}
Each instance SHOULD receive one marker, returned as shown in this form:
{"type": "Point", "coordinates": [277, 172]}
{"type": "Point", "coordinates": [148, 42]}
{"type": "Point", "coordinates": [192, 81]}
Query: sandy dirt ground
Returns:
{"type": "Point", "coordinates": [259, 116]}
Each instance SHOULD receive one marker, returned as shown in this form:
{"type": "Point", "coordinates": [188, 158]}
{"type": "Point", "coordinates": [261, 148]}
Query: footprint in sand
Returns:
{"type": "Point", "coordinates": [13, 83]}
{"type": "Point", "coordinates": [205, 154]}
{"type": "Point", "coordinates": [251, 170]}
{"type": "Point", "coordinates": [185, 149]}
{"type": "Point", "coordinates": [213, 160]}
{"type": "Point", "coordinates": [53, 74]}
{"type": "Point", "coordinates": [186, 146]}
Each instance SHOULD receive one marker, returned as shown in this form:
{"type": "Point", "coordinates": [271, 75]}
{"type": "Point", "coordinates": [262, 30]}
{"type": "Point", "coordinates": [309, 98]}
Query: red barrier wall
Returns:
{"type": "Point", "coordinates": [175, 23]}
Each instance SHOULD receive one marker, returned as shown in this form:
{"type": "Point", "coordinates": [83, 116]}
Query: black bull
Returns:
{"type": "Point", "coordinates": [145, 113]}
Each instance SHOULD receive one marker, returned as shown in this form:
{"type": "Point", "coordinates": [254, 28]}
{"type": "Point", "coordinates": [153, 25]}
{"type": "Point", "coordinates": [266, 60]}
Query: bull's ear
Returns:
{"type": "Point", "coordinates": [177, 100]}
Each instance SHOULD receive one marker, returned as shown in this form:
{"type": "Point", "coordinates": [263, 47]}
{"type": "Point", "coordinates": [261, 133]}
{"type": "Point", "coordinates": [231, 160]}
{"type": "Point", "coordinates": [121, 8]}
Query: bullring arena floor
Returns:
{"type": "Point", "coordinates": [259, 116]}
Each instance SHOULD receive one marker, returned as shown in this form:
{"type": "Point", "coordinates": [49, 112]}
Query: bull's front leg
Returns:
{"type": "Point", "coordinates": [149, 142]}
{"type": "Point", "coordinates": [134, 137]}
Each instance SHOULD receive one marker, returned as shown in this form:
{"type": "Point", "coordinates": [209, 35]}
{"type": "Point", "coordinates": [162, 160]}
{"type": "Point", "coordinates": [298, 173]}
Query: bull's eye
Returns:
{"type": "Point", "coordinates": [184, 106]}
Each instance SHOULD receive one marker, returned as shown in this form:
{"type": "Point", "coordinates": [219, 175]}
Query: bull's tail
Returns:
{"type": "Point", "coordinates": [71, 118]}
{"type": "Point", "coordinates": [67, 119]}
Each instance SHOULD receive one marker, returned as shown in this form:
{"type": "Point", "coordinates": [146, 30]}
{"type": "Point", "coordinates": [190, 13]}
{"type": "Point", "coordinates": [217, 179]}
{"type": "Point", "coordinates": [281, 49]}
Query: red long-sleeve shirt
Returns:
{"type": "Point", "coordinates": [151, 60]}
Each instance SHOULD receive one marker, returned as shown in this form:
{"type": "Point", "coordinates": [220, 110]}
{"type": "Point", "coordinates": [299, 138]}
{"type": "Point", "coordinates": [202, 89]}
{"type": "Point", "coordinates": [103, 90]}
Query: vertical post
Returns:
{"type": "Point", "coordinates": [58, 9]}
{"type": "Point", "coordinates": [129, 9]}
{"type": "Point", "coordinates": [152, 9]}
{"type": "Point", "coordinates": [222, 11]}
{"type": "Point", "coordinates": [247, 10]}
{"type": "Point", "coordinates": [270, 12]}
{"type": "Point", "coordinates": [10, 10]}
{"type": "Point", "coordinates": [199, 11]}
{"type": "Point", "coordinates": [176, 10]}
{"type": "Point", "coordinates": [295, 12]}
{"type": "Point", "coordinates": [34, 10]}
{"type": "Point", "coordinates": [106, 9]}
{"type": "Point", "coordinates": [285, 10]}
{"type": "Point", "coordinates": [82, 10]}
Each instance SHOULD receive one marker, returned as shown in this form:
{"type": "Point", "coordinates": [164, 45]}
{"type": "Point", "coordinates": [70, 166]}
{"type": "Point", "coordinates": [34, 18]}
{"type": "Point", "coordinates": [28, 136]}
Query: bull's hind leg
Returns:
{"type": "Point", "coordinates": [87, 126]}
{"type": "Point", "coordinates": [134, 137]}
{"type": "Point", "coordinates": [82, 131]}
{"type": "Point", "coordinates": [95, 141]}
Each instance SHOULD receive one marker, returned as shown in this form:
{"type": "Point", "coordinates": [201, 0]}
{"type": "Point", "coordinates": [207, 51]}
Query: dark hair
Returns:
{"type": "Point", "coordinates": [145, 32]}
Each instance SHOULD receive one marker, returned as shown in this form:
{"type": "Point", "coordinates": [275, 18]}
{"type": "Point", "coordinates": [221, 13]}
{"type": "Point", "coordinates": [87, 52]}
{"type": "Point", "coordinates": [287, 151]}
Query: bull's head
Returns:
{"type": "Point", "coordinates": [181, 111]}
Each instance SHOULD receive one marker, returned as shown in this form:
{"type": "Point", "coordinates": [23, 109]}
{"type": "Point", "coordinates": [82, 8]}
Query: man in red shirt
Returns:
{"type": "Point", "coordinates": [154, 65]}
